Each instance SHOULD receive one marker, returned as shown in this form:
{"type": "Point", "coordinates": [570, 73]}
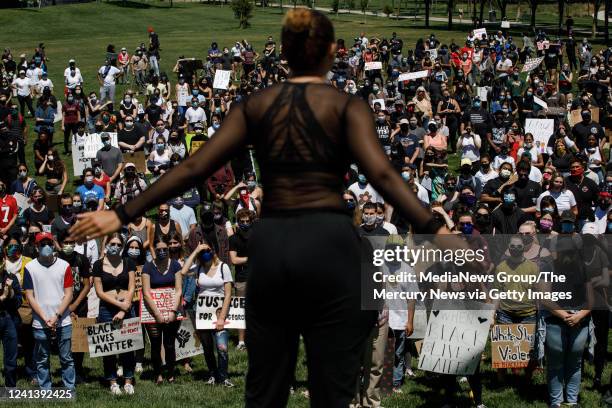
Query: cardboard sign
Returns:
{"type": "Point", "coordinates": [222, 79]}
{"type": "Point", "coordinates": [208, 308]}
{"type": "Point", "coordinates": [79, 334]}
{"type": "Point", "coordinates": [139, 160]}
{"type": "Point", "coordinates": [195, 145]}
{"type": "Point", "coordinates": [541, 129]}
{"type": "Point", "coordinates": [164, 302]}
{"type": "Point", "coordinates": [576, 116]}
{"type": "Point", "coordinates": [107, 339]}
{"type": "Point", "coordinates": [369, 66]}
{"type": "Point", "coordinates": [455, 338]}
{"type": "Point", "coordinates": [93, 143]}
{"type": "Point", "coordinates": [532, 63]}
{"type": "Point", "coordinates": [482, 93]}
{"type": "Point", "coordinates": [511, 345]}
{"type": "Point", "coordinates": [79, 161]}
{"type": "Point", "coordinates": [138, 284]}
{"type": "Point", "coordinates": [187, 343]}
{"type": "Point", "coordinates": [379, 101]}
{"type": "Point", "coordinates": [479, 32]}
{"type": "Point", "coordinates": [413, 75]}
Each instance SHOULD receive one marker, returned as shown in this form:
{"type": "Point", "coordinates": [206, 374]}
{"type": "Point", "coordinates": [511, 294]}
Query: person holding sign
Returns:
{"type": "Point", "coordinates": [114, 281]}
{"type": "Point", "coordinates": [162, 272]}
{"type": "Point", "coordinates": [213, 278]}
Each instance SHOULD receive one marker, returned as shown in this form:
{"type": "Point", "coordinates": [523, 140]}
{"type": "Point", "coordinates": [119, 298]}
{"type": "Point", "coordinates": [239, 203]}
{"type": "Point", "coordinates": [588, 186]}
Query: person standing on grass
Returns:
{"type": "Point", "coordinates": [114, 281]}
{"type": "Point", "coordinates": [48, 285]}
{"type": "Point", "coordinates": [213, 278]}
{"type": "Point", "coordinates": [162, 272]}
{"type": "Point", "coordinates": [10, 300]}
{"type": "Point", "coordinates": [238, 254]}
{"type": "Point", "coordinates": [107, 76]}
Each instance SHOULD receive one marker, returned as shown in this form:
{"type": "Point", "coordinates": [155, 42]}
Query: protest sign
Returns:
{"type": "Point", "coordinates": [433, 53]}
{"type": "Point", "coordinates": [541, 129]}
{"type": "Point", "coordinates": [369, 66]}
{"type": "Point", "coordinates": [482, 93]}
{"type": "Point", "coordinates": [79, 161]}
{"type": "Point", "coordinates": [195, 145]}
{"type": "Point", "coordinates": [222, 79]}
{"type": "Point", "coordinates": [576, 116]}
{"type": "Point", "coordinates": [456, 337]}
{"type": "Point", "coordinates": [511, 345]}
{"type": "Point", "coordinates": [79, 334]}
{"type": "Point", "coordinates": [209, 307]}
{"type": "Point", "coordinates": [379, 101]}
{"type": "Point", "coordinates": [107, 339]}
{"type": "Point", "coordinates": [164, 302]}
{"type": "Point", "coordinates": [479, 32]}
{"type": "Point", "coordinates": [540, 102]}
{"type": "Point", "coordinates": [93, 302]}
{"type": "Point", "coordinates": [187, 343]}
{"type": "Point", "coordinates": [413, 75]}
{"type": "Point", "coordinates": [138, 284]}
{"type": "Point", "coordinates": [22, 201]}
{"type": "Point", "coordinates": [532, 63]}
{"type": "Point", "coordinates": [419, 324]}
{"type": "Point", "coordinates": [93, 143]}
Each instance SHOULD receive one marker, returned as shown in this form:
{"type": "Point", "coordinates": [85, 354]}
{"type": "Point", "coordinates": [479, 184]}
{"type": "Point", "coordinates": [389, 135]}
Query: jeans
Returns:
{"type": "Point", "coordinates": [8, 335]}
{"type": "Point", "coordinates": [215, 339]}
{"type": "Point", "coordinates": [601, 320]}
{"type": "Point", "coordinates": [42, 353]}
{"type": "Point", "coordinates": [503, 317]}
{"type": "Point", "coordinates": [154, 64]}
{"type": "Point", "coordinates": [163, 333]}
{"type": "Point", "coordinates": [128, 360]}
{"type": "Point", "coordinates": [564, 347]}
{"type": "Point", "coordinates": [404, 347]}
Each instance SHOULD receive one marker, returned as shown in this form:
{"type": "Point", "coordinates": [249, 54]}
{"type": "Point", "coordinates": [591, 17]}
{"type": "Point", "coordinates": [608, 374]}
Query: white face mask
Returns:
{"type": "Point", "coordinates": [369, 219]}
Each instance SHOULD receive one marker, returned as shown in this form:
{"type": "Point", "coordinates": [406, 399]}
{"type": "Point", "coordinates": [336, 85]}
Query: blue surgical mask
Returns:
{"type": "Point", "coordinates": [610, 226]}
{"type": "Point", "coordinates": [133, 252]}
{"type": "Point", "coordinates": [467, 228]}
{"type": "Point", "coordinates": [206, 256]}
{"type": "Point", "coordinates": [244, 226]}
{"type": "Point", "coordinates": [113, 250]}
{"type": "Point", "coordinates": [567, 227]}
{"type": "Point", "coordinates": [46, 251]}
{"type": "Point", "coordinates": [477, 105]}
{"type": "Point", "coordinates": [361, 179]}
{"type": "Point", "coordinates": [160, 146]}
{"type": "Point", "coordinates": [509, 199]}
{"type": "Point", "coordinates": [406, 175]}
{"type": "Point", "coordinates": [216, 125]}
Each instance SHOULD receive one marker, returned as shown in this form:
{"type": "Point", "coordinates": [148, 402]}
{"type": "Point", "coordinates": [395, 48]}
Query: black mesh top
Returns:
{"type": "Point", "coordinates": [305, 135]}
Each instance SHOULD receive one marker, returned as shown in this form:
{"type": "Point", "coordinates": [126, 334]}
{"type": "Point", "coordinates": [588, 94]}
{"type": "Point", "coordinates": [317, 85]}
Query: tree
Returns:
{"type": "Point", "coordinates": [363, 5]}
{"type": "Point", "coordinates": [243, 11]}
{"type": "Point", "coordinates": [427, 11]}
{"type": "Point", "coordinates": [350, 5]}
{"type": "Point", "coordinates": [501, 4]}
{"type": "Point", "coordinates": [335, 6]}
{"type": "Point", "coordinates": [450, 8]}
{"type": "Point", "coordinates": [387, 10]}
{"type": "Point", "coordinates": [561, 10]}
{"type": "Point", "coordinates": [534, 6]}
{"type": "Point", "coordinates": [596, 6]}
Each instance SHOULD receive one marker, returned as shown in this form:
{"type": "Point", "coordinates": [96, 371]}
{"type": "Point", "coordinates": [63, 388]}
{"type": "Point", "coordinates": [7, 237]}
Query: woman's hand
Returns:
{"type": "Point", "coordinates": [220, 324]}
{"type": "Point", "coordinates": [95, 224]}
{"type": "Point", "coordinates": [160, 319]}
{"type": "Point", "coordinates": [119, 316]}
{"type": "Point", "coordinates": [572, 319]}
{"type": "Point", "coordinates": [201, 248]}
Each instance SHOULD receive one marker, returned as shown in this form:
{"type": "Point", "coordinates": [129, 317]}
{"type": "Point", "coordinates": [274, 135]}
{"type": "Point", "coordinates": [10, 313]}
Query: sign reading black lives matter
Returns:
{"type": "Point", "coordinates": [107, 339]}
{"type": "Point", "coordinates": [209, 307]}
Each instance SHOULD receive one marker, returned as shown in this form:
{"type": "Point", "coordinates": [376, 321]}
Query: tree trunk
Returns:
{"type": "Point", "coordinates": [450, 14]}
{"type": "Point", "coordinates": [482, 4]}
{"type": "Point", "coordinates": [502, 8]}
{"type": "Point", "coordinates": [561, 10]}
{"type": "Point", "coordinates": [534, 6]}
{"type": "Point", "coordinates": [596, 5]}
{"type": "Point", "coordinates": [474, 13]}
{"type": "Point", "coordinates": [427, 6]}
{"type": "Point", "coordinates": [606, 23]}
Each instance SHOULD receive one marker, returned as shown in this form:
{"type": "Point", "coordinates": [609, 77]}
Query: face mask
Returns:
{"type": "Point", "coordinates": [50, 158]}
{"type": "Point", "coordinates": [76, 204]}
{"type": "Point", "coordinates": [46, 251]}
{"type": "Point", "coordinates": [483, 219]}
{"type": "Point", "coordinates": [577, 172]}
{"type": "Point", "coordinates": [477, 105]}
{"type": "Point", "coordinates": [509, 200]}
{"type": "Point", "coordinates": [361, 179]}
{"type": "Point", "coordinates": [528, 146]}
{"type": "Point", "coordinates": [70, 99]}
{"type": "Point", "coordinates": [160, 146]}
{"type": "Point", "coordinates": [468, 199]}
{"type": "Point", "coordinates": [129, 125]}
{"type": "Point", "coordinates": [380, 120]}
{"type": "Point", "coordinates": [89, 179]}
{"type": "Point", "coordinates": [516, 252]}
{"type": "Point", "coordinates": [546, 225]}
{"type": "Point", "coordinates": [467, 228]}
{"type": "Point", "coordinates": [113, 250]}
{"type": "Point", "coordinates": [161, 253]}
{"type": "Point", "coordinates": [178, 203]}
{"type": "Point", "coordinates": [244, 226]}
{"type": "Point", "coordinates": [610, 226]}
{"type": "Point", "coordinates": [505, 174]}
{"type": "Point", "coordinates": [128, 100]}
{"type": "Point", "coordinates": [12, 250]}
{"type": "Point", "coordinates": [527, 239]}
{"type": "Point", "coordinates": [66, 211]}
{"type": "Point", "coordinates": [406, 175]}
{"type": "Point", "coordinates": [97, 171]}
{"type": "Point", "coordinates": [369, 219]}
{"type": "Point", "coordinates": [206, 256]}
{"type": "Point", "coordinates": [133, 252]}
{"type": "Point", "coordinates": [164, 216]}
{"type": "Point", "coordinates": [567, 227]}
{"type": "Point", "coordinates": [106, 143]}
{"type": "Point", "coordinates": [251, 184]}
{"type": "Point", "coordinates": [216, 125]}
{"type": "Point", "coordinates": [380, 219]}
{"type": "Point", "coordinates": [68, 249]}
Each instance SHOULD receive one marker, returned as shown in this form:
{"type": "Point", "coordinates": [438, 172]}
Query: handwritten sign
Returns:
{"type": "Point", "coordinates": [93, 143]}
{"type": "Point", "coordinates": [455, 338]}
{"type": "Point", "coordinates": [222, 79]}
{"type": "Point", "coordinates": [479, 32]}
{"type": "Point", "coordinates": [482, 93]}
{"type": "Point", "coordinates": [381, 102]}
{"type": "Point", "coordinates": [107, 339]}
{"type": "Point", "coordinates": [370, 66]}
{"type": "Point", "coordinates": [532, 63]}
{"type": "Point", "coordinates": [433, 53]}
{"type": "Point", "coordinates": [79, 334]}
{"type": "Point", "coordinates": [541, 129]}
{"type": "Point", "coordinates": [164, 302]}
{"type": "Point", "coordinates": [138, 284]}
{"type": "Point", "coordinates": [209, 307]}
{"type": "Point", "coordinates": [511, 345]}
{"type": "Point", "coordinates": [408, 76]}
{"type": "Point", "coordinates": [187, 342]}
{"type": "Point", "coordinates": [79, 161]}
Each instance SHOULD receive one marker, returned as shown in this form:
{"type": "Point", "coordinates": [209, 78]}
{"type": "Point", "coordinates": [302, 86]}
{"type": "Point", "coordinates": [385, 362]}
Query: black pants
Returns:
{"type": "Point", "coordinates": [304, 279]}
{"type": "Point", "coordinates": [69, 129]}
{"type": "Point", "coordinates": [23, 101]}
{"type": "Point", "coordinates": [163, 333]}
{"type": "Point", "coordinates": [573, 63]}
{"type": "Point", "coordinates": [8, 168]}
{"type": "Point", "coordinates": [602, 323]}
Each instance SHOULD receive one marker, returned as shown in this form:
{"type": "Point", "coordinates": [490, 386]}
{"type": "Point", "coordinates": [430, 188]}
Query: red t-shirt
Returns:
{"type": "Point", "coordinates": [8, 210]}
{"type": "Point", "coordinates": [103, 182]}
{"type": "Point", "coordinates": [71, 113]}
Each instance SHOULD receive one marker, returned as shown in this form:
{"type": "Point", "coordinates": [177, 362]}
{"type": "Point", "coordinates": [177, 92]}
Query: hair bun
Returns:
{"type": "Point", "coordinates": [298, 20]}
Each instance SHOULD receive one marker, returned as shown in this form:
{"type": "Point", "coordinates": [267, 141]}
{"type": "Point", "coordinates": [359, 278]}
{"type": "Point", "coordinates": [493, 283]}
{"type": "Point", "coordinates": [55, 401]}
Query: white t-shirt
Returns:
{"type": "Point", "coordinates": [565, 200]}
{"type": "Point", "coordinates": [390, 228]}
{"type": "Point", "coordinates": [182, 94]}
{"type": "Point", "coordinates": [535, 175]}
{"type": "Point", "coordinates": [484, 177]}
{"type": "Point", "coordinates": [22, 85]}
{"type": "Point", "coordinates": [195, 115]}
{"type": "Point", "coordinates": [73, 81]}
{"type": "Point", "coordinates": [211, 131]}
{"type": "Point", "coordinates": [34, 75]}
{"type": "Point", "coordinates": [109, 79]}
{"type": "Point", "coordinates": [45, 83]}
{"type": "Point", "coordinates": [359, 192]}
{"type": "Point", "coordinates": [67, 72]}
{"type": "Point", "coordinates": [499, 161]}
{"type": "Point", "coordinates": [213, 286]}
{"type": "Point", "coordinates": [185, 217]}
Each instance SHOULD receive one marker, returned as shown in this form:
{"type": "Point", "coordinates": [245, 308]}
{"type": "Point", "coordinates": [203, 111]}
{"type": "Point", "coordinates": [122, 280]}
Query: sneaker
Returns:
{"type": "Point", "coordinates": [138, 368]}
{"type": "Point", "coordinates": [128, 389]}
{"type": "Point", "coordinates": [227, 383]}
{"type": "Point", "coordinates": [120, 371]}
{"type": "Point", "coordinates": [115, 389]}
{"type": "Point", "coordinates": [211, 381]}
{"type": "Point", "coordinates": [410, 373]}
{"type": "Point", "coordinates": [241, 346]}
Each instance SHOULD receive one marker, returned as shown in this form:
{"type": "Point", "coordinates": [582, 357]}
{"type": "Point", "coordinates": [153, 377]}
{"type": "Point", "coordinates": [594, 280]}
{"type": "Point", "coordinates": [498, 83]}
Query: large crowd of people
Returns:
{"type": "Point", "coordinates": [458, 135]}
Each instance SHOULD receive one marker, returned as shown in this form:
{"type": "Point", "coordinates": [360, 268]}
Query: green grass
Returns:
{"type": "Point", "coordinates": [82, 31]}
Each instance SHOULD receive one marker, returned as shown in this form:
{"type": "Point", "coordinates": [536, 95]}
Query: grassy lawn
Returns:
{"type": "Point", "coordinates": [82, 31]}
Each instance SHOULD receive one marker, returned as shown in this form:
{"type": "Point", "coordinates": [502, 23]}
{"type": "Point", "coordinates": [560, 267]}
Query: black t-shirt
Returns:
{"type": "Point", "coordinates": [79, 264]}
{"type": "Point", "coordinates": [239, 242]}
{"type": "Point", "coordinates": [110, 282]}
{"type": "Point", "coordinates": [492, 186]}
{"type": "Point", "coordinates": [153, 112]}
{"type": "Point", "coordinates": [582, 130]}
{"type": "Point", "coordinates": [384, 133]}
{"type": "Point", "coordinates": [378, 230]}
{"type": "Point", "coordinates": [44, 217]}
{"type": "Point", "coordinates": [527, 194]}
{"type": "Point", "coordinates": [585, 193]}
{"type": "Point", "coordinates": [131, 136]}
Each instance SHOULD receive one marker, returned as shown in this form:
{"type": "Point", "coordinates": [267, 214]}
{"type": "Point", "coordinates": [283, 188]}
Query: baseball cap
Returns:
{"type": "Point", "coordinates": [568, 216]}
{"type": "Point", "coordinates": [71, 60]}
{"type": "Point", "coordinates": [21, 71]}
{"type": "Point", "coordinates": [404, 121]}
{"type": "Point", "coordinates": [129, 165]}
{"type": "Point", "coordinates": [466, 162]}
{"type": "Point", "coordinates": [43, 236]}
{"type": "Point", "coordinates": [123, 49]}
